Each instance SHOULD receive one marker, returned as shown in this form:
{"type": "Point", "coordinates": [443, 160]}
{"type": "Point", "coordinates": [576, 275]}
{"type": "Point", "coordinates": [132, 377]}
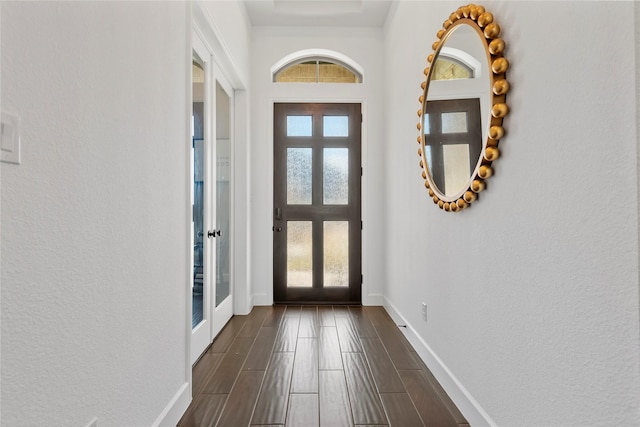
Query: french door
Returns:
{"type": "Point", "coordinates": [212, 300]}
{"type": "Point", "coordinates": [317, 209]}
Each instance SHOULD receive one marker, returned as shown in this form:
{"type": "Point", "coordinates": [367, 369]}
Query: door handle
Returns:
{"type": "Point", "coordinates": [213, 233]}
{"type": "Point", "coordinates": [278, 214]}
{"type": "Point", "coordinates": [278, 229]}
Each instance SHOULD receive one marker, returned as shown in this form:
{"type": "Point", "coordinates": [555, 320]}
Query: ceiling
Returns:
{"type": "Point", "coordinates": [318, 13]}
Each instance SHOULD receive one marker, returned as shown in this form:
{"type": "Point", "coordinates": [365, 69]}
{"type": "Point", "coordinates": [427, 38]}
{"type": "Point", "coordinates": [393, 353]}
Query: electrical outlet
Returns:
{"type": "Point", "coordinates": [424, 311]}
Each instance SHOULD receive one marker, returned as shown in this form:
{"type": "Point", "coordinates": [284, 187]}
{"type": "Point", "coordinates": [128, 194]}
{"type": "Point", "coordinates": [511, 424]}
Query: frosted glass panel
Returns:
{"type": "Point", "coordinates": [299, 254]}
{"type": "Point", "coordinates": [299, 126]}
{"type": "Point", "coordinates": [454, 122]}
{"type": "Point", "coordinates": [299, 176]}
{"type": "Point", "coordinates": [336, 176]}
{"type": "Point", "coordinates": [336, 253]}
{"type": "Point", "coordinates": [335, 125]}
{"type": "Point", "coordinates": [456, 167]}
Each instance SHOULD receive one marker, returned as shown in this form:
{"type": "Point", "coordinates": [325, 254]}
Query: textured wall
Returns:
{"type": "Point", "coordinates": [533, 292]}
{"type": "Point", "coordinates": [94, 219]}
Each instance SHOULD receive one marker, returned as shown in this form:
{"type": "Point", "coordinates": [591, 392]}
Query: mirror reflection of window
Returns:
{"type": "Point", "coordinates": [450, 69]}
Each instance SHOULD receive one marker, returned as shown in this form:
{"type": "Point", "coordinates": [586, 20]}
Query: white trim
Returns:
{"type": "Point", "coordinates": [315, 53]}
{"type": "Point", "coordinates": [205, 26]}
{"type": "Point", "coordinates": [263, 299]}
{"type": "Point", "coordinates": [188, 210]}
{"type": "Point", "coordinates": [176, 407]}
{"type": "Point", "coordinates": [470, 408]}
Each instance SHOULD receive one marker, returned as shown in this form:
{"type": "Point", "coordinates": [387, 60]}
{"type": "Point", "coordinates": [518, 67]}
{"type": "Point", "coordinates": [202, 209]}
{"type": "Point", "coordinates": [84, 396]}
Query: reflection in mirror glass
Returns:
{"type": "Point", "coordinates": [457, 111]}
{"type": "Point", "coordinates": [454, 122]}
{"type": "Point", "coordinates": [454, 129]}
{"type": "Point", "coordinates": [451, 69]}
{"type": "Point", "coordinates": [427, 154]}
{"type": "Point", "coordinates": [456, 167]}
{"type": "Point", "coordinates": [425, 124]}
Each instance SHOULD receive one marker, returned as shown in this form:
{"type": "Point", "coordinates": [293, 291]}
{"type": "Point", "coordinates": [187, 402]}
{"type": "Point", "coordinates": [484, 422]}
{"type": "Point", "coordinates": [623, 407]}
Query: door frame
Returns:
{"type": "Point", "coordinates": [200, 24]}
{"type": "Point", "coordinates": [317, 295]}
{"type": "Point", "coordinates": [214, 317]}
{"type": "Point", "coordinates": [365, 297]}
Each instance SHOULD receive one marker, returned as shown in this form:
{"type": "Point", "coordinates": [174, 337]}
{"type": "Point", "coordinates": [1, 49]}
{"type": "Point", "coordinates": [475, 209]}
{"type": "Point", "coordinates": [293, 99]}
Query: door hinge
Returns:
{"type": "Point", "coordinates": [361, 279]}
{"type": "Point", "coordinates": [361, 171]}
{"type": "Point", "coordinates": [361, 118]}
{"type": "Point", "coordinates": [361, 225]}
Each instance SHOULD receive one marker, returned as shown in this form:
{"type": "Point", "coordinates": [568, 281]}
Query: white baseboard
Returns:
{"type": "Point", "coordinates": [262, 299]}
{"type": "Point", "coordinates": [175, 409]}
{"type": "Point", "coordinates": [470, 408]}
{"type": "Point", "coordinates": [374, 299]}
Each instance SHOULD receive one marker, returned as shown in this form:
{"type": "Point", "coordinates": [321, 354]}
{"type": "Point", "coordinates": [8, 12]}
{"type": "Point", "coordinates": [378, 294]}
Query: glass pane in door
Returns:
{"type": "Point", "coordinates": [299, 254]}
{"type": "Point", "coordinates": [336, 253]}
{"type": "Point", "coordinates": [223, 191]}
{"type": "Point", "coordinates": [299, 176]}
{"type": "Point", "coordinates": [335, 176]}
{"type": "Point", "coordinates": [197, 135]}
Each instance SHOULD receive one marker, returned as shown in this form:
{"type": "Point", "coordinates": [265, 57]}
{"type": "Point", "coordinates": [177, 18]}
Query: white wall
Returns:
{"type": "Point", "coordinates": [268, 46]}
{"type": "Point", "coordinates": [94, 253]}
{"type": "Point", "coordinates": [532, 293]}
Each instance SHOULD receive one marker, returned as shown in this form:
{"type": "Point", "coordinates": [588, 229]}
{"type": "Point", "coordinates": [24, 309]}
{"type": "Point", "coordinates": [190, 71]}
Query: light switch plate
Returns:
{"type": "Point", "coordinates": [10, 136]}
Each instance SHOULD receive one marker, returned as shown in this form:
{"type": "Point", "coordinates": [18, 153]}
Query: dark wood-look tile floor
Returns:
{"type": "Point", "coordinates": [315, 366]}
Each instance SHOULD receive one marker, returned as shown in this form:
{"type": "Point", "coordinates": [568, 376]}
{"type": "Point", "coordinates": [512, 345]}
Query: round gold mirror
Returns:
{"type": "Point", "coordinates": [462, 108]}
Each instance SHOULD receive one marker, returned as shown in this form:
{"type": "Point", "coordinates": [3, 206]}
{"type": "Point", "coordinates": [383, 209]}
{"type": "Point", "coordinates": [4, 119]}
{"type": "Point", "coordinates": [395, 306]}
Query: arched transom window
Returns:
{"type": "Point", "coordinates": [316, 66]}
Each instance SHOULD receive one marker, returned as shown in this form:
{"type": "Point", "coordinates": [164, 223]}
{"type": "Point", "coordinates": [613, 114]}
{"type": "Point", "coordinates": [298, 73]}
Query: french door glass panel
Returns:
{"type": "Point", "coordinates": [223, 193]}
{"type": "Point", "coordinates": [198, 229]}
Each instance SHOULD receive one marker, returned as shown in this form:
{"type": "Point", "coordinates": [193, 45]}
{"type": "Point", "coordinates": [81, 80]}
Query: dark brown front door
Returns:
{"type": "Point", "coordinates": [316, 215]}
